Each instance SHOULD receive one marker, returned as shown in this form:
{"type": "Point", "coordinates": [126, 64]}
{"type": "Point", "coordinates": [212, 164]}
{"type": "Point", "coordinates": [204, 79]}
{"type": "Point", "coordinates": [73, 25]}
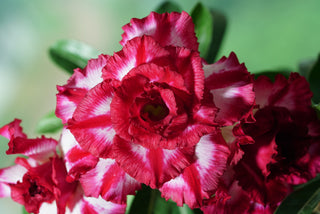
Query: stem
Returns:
{"type": "Point", "coordinates": [153, 198]}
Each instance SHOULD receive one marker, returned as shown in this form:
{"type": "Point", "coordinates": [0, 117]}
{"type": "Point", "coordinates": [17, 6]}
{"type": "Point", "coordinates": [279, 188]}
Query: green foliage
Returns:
{"type": "Point", "coordinates": [24, 211]}
{"type": "Point", "coordinates": [210, 26]}
{"type": "Point", "coordinates": [314, 80]}
{"type": "Point", "coordinates": [49, 124]}
{"type": "Point", "coordinates": [302, 200]}
{"type": "Point", "coordinates": [71, 54]}
{"type": "Point", "coordinates": [168, 7]}
{"type": "Point", "coordinates": [149, 201]}
{"type": "Point", "coordinates": [272, 74]}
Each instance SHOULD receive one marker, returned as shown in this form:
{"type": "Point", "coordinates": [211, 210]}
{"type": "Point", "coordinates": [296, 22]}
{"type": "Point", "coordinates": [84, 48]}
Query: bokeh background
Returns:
{"type": "Point", "coordinates": [266, 35]}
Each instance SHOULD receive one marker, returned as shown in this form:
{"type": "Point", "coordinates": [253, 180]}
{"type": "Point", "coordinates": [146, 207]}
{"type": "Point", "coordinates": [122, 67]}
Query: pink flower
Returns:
{"type": "Point", "coordinates": [151, 114]}
{"type": "Point", "coordinates": [39, 182]}
{"type": "Point", "coordinates": [285, 151]}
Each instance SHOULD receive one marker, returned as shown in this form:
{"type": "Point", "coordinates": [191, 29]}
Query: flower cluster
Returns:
{"type": "Point", "coordinates": [155, 113]}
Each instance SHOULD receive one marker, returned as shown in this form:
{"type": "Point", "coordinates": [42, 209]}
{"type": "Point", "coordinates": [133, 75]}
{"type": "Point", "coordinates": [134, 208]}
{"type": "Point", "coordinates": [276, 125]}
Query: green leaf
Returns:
{"type": "Point", "coordinates": [302, 200]}
{"type": "Point", "coordinates": [24, 211]}
{"type": "Point", "coordinates": [49, 124]}
{"type": "Point", "coordinates": [149, 201]}
{"type": "Point", "coordinates": [203, 22]}
{"type": "Point", "coordinates": [210, 26]}
{"type": "Point", "coordinates": [71, 54]}
{"type": "Point", "coordinates": [219, 29]}
{"type": "Point", "coordinates": [168, 6]}
{"type": "Point", "coordinates": [272, 74]}
{"type": "Point", "coordinates": [317, 108]}
{"type": "Point", "coordinates": [305, 67]}
{"type": "Point", "coordinates": [314, 80]}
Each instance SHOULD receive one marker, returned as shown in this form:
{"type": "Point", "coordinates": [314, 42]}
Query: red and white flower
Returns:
{"type": "Point", "coordinates": [39, 182]}
{"type": "Point", "coordinates": [152, 113]}
{"type": "Point", "coordinates": [285, 151]}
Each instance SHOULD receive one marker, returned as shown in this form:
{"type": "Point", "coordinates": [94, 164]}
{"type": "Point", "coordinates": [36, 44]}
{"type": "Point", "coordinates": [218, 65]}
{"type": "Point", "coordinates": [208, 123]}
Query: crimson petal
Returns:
{"type": "Point", "coordinates": [91, 121]}
{"type": "Point", "coordinates": [78, 85]}
{"type": "Point", "coordinates": [110, 181]}
{"type": "Point", "coordinates": [175, 29]}
{"type": "Point", "coordinates": [152, 167]}
{"type": "Point", "coordinates": [232, 88]}
{"type": "Point", "coordinates": [199, 180]}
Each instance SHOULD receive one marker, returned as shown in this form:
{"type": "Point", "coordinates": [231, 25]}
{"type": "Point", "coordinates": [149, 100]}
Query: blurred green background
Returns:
{"type": "Point", "coordinates": [266, 35]}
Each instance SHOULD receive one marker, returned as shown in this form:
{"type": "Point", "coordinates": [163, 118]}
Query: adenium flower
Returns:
{"type": "Point", "coordinates": [151, 113]}
{"type": "Point", "coordinates": [38, 182]}
{"type": "Point", "coordinates": [285, 151]}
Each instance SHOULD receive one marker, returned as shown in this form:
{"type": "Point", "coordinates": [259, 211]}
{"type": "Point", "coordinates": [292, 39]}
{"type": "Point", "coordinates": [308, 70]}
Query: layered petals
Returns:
{"type": "Point", "coordinates": [176, 29]}
{"type": "Point", "coordinates": [91, 121]}
{"type": "Point", "coordinates": [77, 160]}
{"type": "Point", "coordinates": [78, 85]}
{"type": "Point", "coordinates": [152, 167]}
{"type": "Point", "coordinates": [137, 51]}
{"type": "Point", "coordinates": [232, 88]}
{"type": "Point", "coordinates": [200, 180]}
{"type": "Point", "coordinates": [110, 181]}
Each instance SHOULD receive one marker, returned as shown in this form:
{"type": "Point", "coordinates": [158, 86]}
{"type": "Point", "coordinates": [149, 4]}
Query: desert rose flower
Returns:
{"type": "Point", "coordinates": [285, 151]}
{"type": "Point", "coordinates": [151, 113]}
{"type": "Point", "coordinates": [39, 181]}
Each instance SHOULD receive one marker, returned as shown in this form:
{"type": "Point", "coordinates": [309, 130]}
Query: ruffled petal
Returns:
{"type": "Point", "coordinates": [232, 88]}
{"type": "Point", "coordinates": [136, 52]}
{"type": "Point", "coordinates": [152, 167]}
{"type": "Point", "coordinates": [91, 123]}
{"type": "Point", "coordinates": [110, 181]}
{"type": "Point", "coordinates": [98, 205]}
{"type": "Point", "coordinates": [175, 29]}
{"type": "Point", "coordinates": [199, 181]}
{"type": "Point", "coordinates": [77, 161]}
{"type": "Point", "coordinates": [189, 65]}
{"type": "Point", "coordinates": [293, 94]}
{"type": "Point", "coordinates": [39, 149]}
{"type": "Point", "coordinates": [12, 130]}
{"type": "Point", "coordinates": [12, 174]}
{"type": "Point", "coordinates": [78, 85]}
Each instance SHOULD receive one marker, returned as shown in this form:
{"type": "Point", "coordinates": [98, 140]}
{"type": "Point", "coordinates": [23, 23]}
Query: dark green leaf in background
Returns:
{"type": "Point", "coordinates": [210, 26]}
{"type": "Point", "coordinates": [203, 22]}
{"type": "Point", "coordinates": [149, 201]}
{"type": "Point", "coordinates": [272, 74]}
{"type": "Point", "coordinates": [219, 29]}
{"type": "Point", "coordinates": [168, 7]}
{"type": "Point", "coordinates": [303, 200]}
{"type": "Point", "coordinates": [314, 80]}
{"type": "Point", "coordinates": [71, 54]}
{"type": "Point", "coordinates": [49, 124]}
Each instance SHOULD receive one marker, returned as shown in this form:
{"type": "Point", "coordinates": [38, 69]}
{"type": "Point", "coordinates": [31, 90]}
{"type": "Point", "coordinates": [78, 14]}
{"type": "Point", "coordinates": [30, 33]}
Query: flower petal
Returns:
{"type": "Point", "coordinates": [12, 130]}
{"type": "Point", "coordinates": [175, 29]}
{"type": "Point", "coordinates": [110, 181]}
{"type": "Point", "coordinates": [293, 94]}
{"type": "Point", "coordinates": [199, 180]}
{"type": "Point", "coordinates": [12, 174]}
{"type": "Point", "coordinates": [40, 148]}
{"type": "Point", "coordinates": [152, 167]}
{"type": "Point", "coordinates": [78, 85]}
{"type": "Point", "coordinates": [91, 122]}
{"type": "Point", "coordinates": [77, 161]}
{"type": "Point", "coordinates": [232, 88]}
{"type": "Point", "coordinates": [189, 65]}
{"type": "Point", "coordinates": [137, 51]}
{"type": "Point", "coordinates": [99, 205]}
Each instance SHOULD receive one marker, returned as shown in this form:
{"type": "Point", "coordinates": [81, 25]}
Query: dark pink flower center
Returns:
{"type": "Point", "coordinates": [154, 111]}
